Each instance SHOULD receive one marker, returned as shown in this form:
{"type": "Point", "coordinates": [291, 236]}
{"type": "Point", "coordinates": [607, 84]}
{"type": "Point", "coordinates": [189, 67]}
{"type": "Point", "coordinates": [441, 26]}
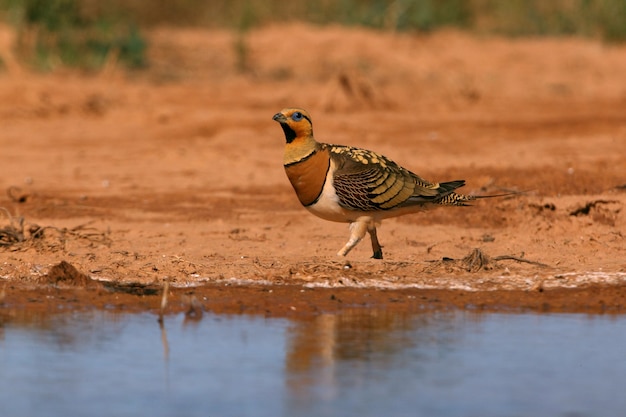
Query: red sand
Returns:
{"type": "Point", "coordinates": [174, 173]}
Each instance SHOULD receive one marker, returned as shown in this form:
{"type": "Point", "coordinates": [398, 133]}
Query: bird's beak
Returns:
{"type": "Point", "coordinates": [280, 118]}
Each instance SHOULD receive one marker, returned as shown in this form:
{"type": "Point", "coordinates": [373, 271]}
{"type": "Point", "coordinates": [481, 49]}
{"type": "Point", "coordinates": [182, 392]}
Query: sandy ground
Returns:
{"type": "Point", "coordinates": [174, 173]}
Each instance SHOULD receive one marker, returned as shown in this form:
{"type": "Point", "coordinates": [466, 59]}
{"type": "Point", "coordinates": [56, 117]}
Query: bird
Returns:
{"type": "Point", "coordinates": [352, 185]}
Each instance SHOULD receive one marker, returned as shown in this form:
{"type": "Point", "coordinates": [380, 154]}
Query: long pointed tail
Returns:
{"type": "Point", "coordinates": [455, 199]}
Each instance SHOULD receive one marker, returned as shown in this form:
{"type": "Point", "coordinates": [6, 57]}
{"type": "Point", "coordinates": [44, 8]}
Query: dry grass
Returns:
{"type": "Point", "coordinates": [17, 235]}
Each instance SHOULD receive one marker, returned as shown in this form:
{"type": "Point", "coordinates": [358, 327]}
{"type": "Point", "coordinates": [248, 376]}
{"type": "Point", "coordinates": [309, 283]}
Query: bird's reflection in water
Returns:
{"type": "Point", "coordinates": [321, 347]}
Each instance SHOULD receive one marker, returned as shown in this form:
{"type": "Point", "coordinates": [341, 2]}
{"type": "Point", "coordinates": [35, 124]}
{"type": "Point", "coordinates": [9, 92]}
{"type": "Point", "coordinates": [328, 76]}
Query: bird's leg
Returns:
{"type": "Point", "coordinates": [378, 250]}
{"type": "Point", "coordinates": [357, 232]}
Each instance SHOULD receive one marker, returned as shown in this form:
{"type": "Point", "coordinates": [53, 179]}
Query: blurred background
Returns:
{"type": "Point", "coordinates": [89, 33]}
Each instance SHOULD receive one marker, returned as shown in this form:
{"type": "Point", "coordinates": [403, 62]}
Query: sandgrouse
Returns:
{"type": "Point", "coordinates": [352, 185]}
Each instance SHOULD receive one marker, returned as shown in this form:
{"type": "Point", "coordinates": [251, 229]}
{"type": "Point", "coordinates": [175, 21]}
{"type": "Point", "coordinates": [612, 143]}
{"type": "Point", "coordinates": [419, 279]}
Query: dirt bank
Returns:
{"type": "Point", "coordinates": [175, 173]}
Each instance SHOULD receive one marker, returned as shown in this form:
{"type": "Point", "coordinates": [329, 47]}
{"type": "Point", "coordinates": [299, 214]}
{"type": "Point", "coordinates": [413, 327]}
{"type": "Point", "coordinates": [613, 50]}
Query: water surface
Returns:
{"type": "Point", "coordinates": [357, 363]}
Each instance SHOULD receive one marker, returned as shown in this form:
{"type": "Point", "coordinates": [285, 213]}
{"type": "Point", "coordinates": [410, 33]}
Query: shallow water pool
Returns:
{"type": "Point", "coordinates": [357, 363]}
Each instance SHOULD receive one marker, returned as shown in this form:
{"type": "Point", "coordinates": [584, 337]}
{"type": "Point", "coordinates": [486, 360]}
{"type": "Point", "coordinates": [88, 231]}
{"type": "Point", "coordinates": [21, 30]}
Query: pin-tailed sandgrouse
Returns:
{"type": "Point", "coordinates": [352, 185]}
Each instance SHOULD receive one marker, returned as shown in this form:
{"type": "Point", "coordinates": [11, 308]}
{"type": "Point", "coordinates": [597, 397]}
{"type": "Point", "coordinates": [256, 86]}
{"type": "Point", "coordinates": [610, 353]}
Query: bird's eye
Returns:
{"type": "Point", "coordinates": [296, 117]}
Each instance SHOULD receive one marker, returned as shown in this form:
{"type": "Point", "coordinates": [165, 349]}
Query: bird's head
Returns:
{"type": "Point", "coordinates": [296, 124]}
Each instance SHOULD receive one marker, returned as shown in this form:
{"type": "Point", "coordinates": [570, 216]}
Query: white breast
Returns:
{"type": "Point", "coordinates": [327, 205]}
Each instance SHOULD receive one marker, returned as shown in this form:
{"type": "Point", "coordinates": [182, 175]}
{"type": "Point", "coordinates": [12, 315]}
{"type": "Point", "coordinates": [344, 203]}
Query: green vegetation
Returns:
{"type": "Point", "coordinates": [591, 18]}
{"type": "Point", "coordinates": [90, 33]}
{"type": "Point", "coordinates": [73, 33]}
{"type": "Point", "coordinates": [605, 19]}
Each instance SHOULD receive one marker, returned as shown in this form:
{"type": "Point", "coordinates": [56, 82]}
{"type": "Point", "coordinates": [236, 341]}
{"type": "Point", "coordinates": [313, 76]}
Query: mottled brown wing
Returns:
{"type": "Point", "coordinates": [367, 181]}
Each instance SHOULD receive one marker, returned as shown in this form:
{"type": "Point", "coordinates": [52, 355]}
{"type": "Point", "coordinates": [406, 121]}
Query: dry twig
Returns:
{"type": "Point", "coordinates": [15, 236]}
